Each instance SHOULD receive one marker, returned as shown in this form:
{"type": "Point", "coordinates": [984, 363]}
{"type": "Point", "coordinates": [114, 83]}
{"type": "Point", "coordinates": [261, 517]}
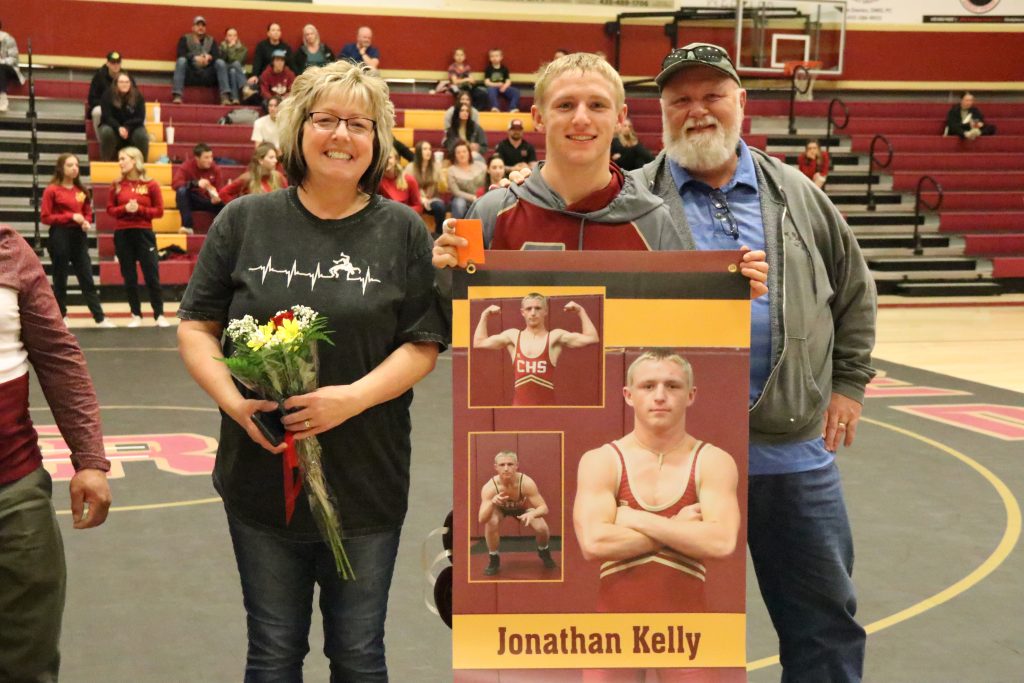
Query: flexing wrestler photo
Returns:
{"type": "Point", "coordinates": [535, 350]}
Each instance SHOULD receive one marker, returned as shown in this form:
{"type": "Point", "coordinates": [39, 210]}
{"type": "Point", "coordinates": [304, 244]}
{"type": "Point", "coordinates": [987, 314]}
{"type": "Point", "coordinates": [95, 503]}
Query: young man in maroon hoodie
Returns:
{"type": "Point", "coordinates": [195, 185]}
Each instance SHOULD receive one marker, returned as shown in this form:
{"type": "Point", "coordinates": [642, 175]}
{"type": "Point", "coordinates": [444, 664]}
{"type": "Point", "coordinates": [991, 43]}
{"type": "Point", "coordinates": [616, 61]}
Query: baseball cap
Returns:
{"type": "Point", "coordinates": [279, 53]}
{"type": "Point", "coordinates": [696, 54]}
{"type": "Point", "coordinates": [114, 57]}
{"type": "Point", "coordinates": [515, 123]}
{"type": "Point", "coordinates": [200, 19]}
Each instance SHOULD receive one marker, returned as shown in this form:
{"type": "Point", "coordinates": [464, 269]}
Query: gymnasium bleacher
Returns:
{"type": "Point", "coordinates": [973, 244]}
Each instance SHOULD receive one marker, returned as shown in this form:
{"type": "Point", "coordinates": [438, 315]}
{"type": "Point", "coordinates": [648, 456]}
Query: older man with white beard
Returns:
{"type": "Point", "coordinates": [810, 355]}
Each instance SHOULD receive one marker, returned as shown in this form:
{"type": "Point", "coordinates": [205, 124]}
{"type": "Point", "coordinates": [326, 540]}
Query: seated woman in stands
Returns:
{"type": "Point", "coordinates": [312, 52]}
{"type": "Point", "coordinates": [814, 163]}
{"type": "Point", "coordinates": [463, 128]}
{"type": "Point", "coordinates": [495, 171]}
{"type": "Point", "coordinates": [432, 182]}
{"type": "Point", "coordinates": [399, 186]}
{"type": "Point", "coordinates": [627, 150]}
{"type": "Point", "coordinates": [67, 209]}
{"type": "Point", "coordinates": [234, 54]}
{"type": "Point", "coordinates": [463, 98]}
{"type": "Point", "coordinates": [135, 200]}
{"type": "Point", "coordinates": [122, 119]}
{"type": "Point", "coordinates": [465, 178]}
{"type": "Point", "coordinates": [261, 176]}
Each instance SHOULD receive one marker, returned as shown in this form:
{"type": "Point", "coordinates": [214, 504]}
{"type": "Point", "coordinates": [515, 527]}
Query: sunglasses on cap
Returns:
{"type": "Point", "coordinates": [704, 53]}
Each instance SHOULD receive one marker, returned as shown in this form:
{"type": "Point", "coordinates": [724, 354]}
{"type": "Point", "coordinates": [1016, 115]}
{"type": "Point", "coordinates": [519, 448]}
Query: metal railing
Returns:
{"type": "Point", "coordinates": [833, 124]}
{"type": "Point", "coordinates": [871, 166]}
{"type": "Point", "coordinates": [937, 189]}
{"type": "Point", "coordinates": [33, 151]}
{"type": "Point", "coordinates": [794, 88]}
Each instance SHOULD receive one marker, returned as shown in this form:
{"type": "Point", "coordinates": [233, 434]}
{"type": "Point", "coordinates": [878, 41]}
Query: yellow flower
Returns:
{"type": "Point", "coordinates": [255, 343]}
{"type": "Point", "coordinates": [288, 331]}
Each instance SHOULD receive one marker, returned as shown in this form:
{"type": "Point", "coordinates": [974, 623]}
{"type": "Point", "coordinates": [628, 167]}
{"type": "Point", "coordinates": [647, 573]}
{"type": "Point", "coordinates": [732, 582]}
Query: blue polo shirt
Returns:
{"type": "Point", "coordinates": [711, 230]}
{"type": "Point", "coordinates": [351, 53]}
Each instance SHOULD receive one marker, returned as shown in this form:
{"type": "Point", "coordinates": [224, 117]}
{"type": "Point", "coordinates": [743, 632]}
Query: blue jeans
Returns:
{"type": "Point", "coordinates": [802, 548]}
{"type": "Point", "coordinates": [188, 201]}
{"type": "Point", "coordinates": [460, 205]}
{"type": "Point", "coordinates": [186, 74]}
{"type": "Point", "coordinates": [438, 211]}
{"type": "Point", "coordinates": [511, 94]}
{"type": "Point", "coordinates": [236, 78]}
{"type": "Point", "coordinates": [278, 576]}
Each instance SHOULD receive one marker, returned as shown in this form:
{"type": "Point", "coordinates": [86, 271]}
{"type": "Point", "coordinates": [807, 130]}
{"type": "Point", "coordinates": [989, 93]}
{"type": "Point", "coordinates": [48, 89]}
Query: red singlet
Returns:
{"type": "Point", "coordinates": [534, 377]}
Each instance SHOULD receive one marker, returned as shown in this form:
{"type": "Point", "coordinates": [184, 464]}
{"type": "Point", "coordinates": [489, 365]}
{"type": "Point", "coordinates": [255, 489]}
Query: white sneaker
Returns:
{"type": "Point", "coordinates": [136, 321]}
{"type": "Point", "coordinates": [186, 231]}
{"type": "Point", "coordinates": [4, 102]}
{"type": "Point", "coordinates": [162, 321]}
{"type": "Point", "coordinates": [106, 324]}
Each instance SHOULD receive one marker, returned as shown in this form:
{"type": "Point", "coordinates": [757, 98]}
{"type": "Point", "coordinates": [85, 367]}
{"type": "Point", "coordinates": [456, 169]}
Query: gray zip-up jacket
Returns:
{"type": "Point", "coordinates": [823, 299]}
{"type": "Point", "coordinates": [633, 205]}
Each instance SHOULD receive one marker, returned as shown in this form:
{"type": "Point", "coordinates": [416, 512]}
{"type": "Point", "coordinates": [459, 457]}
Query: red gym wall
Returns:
{"type": "Point", "coordinates": [540, 457]}
{"type": "Point", "coordinates": [72, 28]}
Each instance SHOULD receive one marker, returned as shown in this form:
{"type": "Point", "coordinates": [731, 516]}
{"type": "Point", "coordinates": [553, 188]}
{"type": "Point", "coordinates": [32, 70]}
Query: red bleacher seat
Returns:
{"type": "Point", "coordinates": [175, 272]}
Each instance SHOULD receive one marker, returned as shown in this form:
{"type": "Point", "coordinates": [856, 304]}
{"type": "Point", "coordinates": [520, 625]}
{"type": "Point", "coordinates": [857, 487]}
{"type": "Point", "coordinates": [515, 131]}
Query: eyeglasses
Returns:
{"type": "Point", "coordinates": [355, 125]}
{"type": "Point", "coordinates": [722, 213]}
{"type": "Point", "coordinates": [704, 53]}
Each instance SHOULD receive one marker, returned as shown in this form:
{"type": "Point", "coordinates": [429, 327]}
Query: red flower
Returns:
{"type": "Point", "coordinates": [281, 317]}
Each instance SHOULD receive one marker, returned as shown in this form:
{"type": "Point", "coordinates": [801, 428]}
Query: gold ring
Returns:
{"type": "Point", "coordinates": [841, 424]}
{"type": "Point", "coordinates": [306, 424]}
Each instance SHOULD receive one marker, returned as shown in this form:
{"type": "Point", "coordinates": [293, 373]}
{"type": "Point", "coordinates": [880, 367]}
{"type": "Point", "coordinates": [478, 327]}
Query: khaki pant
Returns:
{"type": "Point", "coordinates": [32, 581]}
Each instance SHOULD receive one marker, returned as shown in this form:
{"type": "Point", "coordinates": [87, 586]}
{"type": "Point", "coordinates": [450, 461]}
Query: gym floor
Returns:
{"type": "Point", "coordinates": [933, 485]}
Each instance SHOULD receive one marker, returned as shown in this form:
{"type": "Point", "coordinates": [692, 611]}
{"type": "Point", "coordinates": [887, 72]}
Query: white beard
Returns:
{"type": "Point", "coordinates": [702, 152]}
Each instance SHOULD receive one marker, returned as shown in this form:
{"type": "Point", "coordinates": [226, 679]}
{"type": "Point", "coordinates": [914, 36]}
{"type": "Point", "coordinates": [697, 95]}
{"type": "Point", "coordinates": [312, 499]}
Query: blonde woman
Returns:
{"type": "Point", "coordinates": [135, 200]}
{"type": "Point", "coordinates": [330, 243]}
{"type": "Point", "coordinates": [261, 175]}
{"type": "Point", "coordinates": [398, 186]}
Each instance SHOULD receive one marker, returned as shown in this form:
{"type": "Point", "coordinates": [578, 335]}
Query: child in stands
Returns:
{"type": "Point", "coordinates": [135, 200]}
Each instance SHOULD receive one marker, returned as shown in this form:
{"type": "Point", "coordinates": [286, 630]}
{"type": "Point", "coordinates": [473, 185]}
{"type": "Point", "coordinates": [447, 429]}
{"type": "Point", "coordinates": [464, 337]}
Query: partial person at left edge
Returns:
{"type": "Point", "coordinates": [8, 65]}
{"type": "Point", "coordinates": [32, 565]}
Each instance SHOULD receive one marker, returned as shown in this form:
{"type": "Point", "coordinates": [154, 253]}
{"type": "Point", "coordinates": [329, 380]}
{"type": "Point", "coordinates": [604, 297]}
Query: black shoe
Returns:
{"type": "Point", "coordinates": [545, 557]}
{"type": "Point", "coordinates": [492, 568]}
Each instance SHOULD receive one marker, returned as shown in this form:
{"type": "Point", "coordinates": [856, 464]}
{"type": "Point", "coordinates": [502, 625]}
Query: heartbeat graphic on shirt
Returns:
{"type": "Point", "coordinates": [343, 264]}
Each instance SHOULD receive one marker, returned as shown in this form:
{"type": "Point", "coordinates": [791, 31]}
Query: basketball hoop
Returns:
{"type": "Point", "coordinates": [789, 68]}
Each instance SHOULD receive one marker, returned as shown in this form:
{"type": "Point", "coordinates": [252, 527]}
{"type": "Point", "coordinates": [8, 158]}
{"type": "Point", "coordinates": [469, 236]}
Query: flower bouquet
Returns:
{"type": "Point", "coordinates": [278, 360]}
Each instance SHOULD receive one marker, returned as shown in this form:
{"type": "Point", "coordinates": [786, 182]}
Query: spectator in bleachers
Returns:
{"type": "Point", "coordinates": [101, 82]}
{"type": "Point", "coordinates": [8, 65]}
{"type": "Point", "coordinates": [276, 80]}
{"type": "Point", "coordinates": [460, 79]}
{"type": "Point", "coordinates": [264, 129]}
{"type": "Point", "coordinates": [627, 150]}
{"type": "Point", "coordinates": [195, 186]}
{"type": "Point", "coordinates": [122, 119]}
{"type": "Point", "coordinates": [965, 120]}
{"type": "Point", "coordinates": [312, 52]}
{"type": "Point", "coordinates": [461, 98]}
{"type": "Point", "coordinates": [496, 171]}
{"type": "Point", "coordinates": [814, 163]}
{"type": "Point", "coordinates": [234, 53]}
{"type": "Point", "coordinates": [399, 186]}
{"type": "Point", "coordinates": [261, 175]}
{"type": "Point", "coordinates": [199, 63]}
{"type": "Point", "coordinates": [466, 176]}
{"type": "Point", "coordinates": [432, 182]}
{"type": "Point", "coordinates": [514, 150]}
{"type": "Point", "coordinates": [135, 200]}
{"type": "Point", "coordinates": [362, 51]}
{"type": "Point", "coordinates": [498, 81]}
{"type": "Point", "coordinates": [67, 208]}
{"type": "Point", "coordinates": [263, 55]}
{"type": "Point", "coordinates": [463, 128]}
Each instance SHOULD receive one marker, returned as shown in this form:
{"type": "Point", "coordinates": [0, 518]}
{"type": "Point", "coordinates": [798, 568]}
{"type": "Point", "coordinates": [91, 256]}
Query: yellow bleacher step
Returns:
{"type": "Point", "coordinates": [433, 119]}
{"type": "Point", "coordinates": [498, 120]}
{"type": "Point", "coordinates": [108, 172]}
{"type": "Point", "coordinates": [168, 223]}
{"type": "Point", "coordinates": [165, 240]}
{"type": "Point", "coordinates": [403, 135]}
{"type": "Point", "coordinates": [156, 131]}
{"type": "Point", "coordinates": [156, 150]}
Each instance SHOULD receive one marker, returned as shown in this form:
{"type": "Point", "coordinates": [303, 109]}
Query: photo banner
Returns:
{"type": "Point", "coordinates": [552, 578]}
